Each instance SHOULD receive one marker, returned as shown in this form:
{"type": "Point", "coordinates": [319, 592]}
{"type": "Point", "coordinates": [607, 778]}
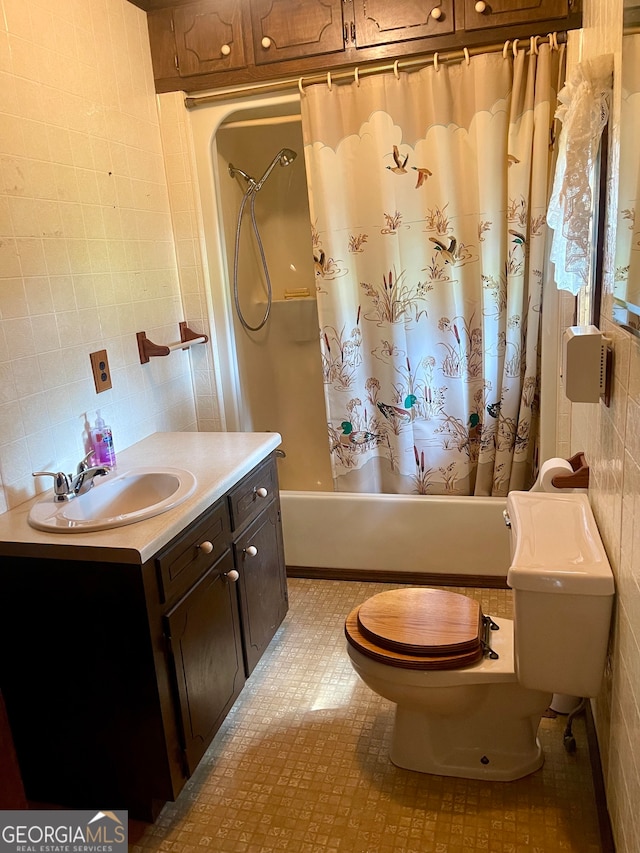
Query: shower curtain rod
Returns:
{"type": "Point", "coordinates": [357, 72]}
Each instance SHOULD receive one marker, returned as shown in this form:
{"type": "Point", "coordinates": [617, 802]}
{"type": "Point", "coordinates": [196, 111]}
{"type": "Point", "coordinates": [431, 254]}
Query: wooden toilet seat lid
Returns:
{"type": "Point", "coordinates": [418, 628]}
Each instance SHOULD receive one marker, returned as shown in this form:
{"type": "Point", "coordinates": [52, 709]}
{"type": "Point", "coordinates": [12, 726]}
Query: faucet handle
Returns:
{"type": "Point", "coordinates": [84, 463]}
{"type": "Point", "coordinates": [61, 485]}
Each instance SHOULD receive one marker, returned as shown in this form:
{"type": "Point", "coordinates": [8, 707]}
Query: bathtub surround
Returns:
{"type": "Point", "coordinates": [403, 538]}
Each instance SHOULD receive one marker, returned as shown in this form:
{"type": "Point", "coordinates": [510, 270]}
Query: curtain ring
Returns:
{"type": "Point", "coordinates": [356, 76]}
{"type": "Point", "coordinates": [395, 70]}
{"type": "Point", "coordinates": [505, 49]}
{"type": "Point", "coordinates": [300, 89]}
{"type": "Point", "coordinates": [435, 61]}
{"type": "Point", "coordinates": [555, 41]}
{"type": "Point", "coordinates": [533, 45]}
{"type": "Point", "coordinates": [329, 80]}
{"type": "Point", "coordinates": [515, 48]}
{"type": "Point", "coordinates": [466, 54]}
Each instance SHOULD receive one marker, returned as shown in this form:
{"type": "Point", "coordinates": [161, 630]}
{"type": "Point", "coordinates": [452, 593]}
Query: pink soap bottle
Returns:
{"type": "Point", "coordinates": [102, 443]}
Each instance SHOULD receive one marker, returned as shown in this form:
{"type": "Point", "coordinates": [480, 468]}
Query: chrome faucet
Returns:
{"type": "Point", "coordinates": [67, 486]}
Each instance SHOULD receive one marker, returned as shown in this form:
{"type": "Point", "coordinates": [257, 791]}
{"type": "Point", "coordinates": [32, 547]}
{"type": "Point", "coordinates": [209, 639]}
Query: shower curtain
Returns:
{"type": "Point", "coordinates": [428, 194]}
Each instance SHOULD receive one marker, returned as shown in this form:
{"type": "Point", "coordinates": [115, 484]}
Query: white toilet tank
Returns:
{"type": "Point", "coordinates": [562, 590]}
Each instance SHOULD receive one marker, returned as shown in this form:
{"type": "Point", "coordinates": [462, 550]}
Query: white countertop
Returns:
{"type": "Point", "coordinates": [217, 459]}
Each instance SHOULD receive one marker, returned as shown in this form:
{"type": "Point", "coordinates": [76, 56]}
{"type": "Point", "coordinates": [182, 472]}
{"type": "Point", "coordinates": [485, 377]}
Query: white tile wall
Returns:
{"type": "Point", "coordinates": [87, 255]}
{"type": "Point", "coordinates": [610, 438]}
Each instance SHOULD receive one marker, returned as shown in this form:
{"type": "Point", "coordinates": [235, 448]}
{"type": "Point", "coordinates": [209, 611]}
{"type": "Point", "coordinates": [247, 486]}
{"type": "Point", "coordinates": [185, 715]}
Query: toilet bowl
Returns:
{"type": "Point", "coordinates": [470, 691]}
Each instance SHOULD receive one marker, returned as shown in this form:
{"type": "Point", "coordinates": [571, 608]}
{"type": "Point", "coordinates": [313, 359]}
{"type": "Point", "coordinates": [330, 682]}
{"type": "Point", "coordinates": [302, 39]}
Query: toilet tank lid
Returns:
{"type": "Point", "coordinates": [556, 545]}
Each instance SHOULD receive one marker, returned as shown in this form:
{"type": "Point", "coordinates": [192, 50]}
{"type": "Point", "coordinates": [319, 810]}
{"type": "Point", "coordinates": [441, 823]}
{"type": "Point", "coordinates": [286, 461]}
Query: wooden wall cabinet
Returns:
{"type": "Point", "coordinates": [220, 43]}
{"type": "Point", "coordinates": [209, 39]}
{"type": "Point", "coordinates": [508, 13]}
{"type": "Point", "coordinates": [117, 676]}
{"type": "Point", "coordinates": [380, 22]}
{"type": "Point", "coordinates": [282, 29]}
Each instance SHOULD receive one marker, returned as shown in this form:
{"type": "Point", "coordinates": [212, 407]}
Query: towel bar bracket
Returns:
{"type": "Point", "coordinates": [188, 338]}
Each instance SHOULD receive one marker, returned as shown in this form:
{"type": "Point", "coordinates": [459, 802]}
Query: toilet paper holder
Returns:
{"type": "Point", "coordinates": [578, 478]}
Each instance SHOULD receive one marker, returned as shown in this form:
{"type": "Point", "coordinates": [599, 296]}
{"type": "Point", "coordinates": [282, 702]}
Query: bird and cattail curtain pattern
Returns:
{"type": "Point", "coordinates": [428, 193]}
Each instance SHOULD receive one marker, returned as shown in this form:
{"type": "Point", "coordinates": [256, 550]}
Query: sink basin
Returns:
{"type": "Point", "coordinates": [115, 500]}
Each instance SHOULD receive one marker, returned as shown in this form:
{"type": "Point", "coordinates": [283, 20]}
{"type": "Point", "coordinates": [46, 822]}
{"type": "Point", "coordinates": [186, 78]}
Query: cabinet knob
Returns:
{"type": "Point", "coordinates": [225, 50]}
{"type": "Point", "coordinates": [481, 7]}
{"type": "Point", "coordinates": [232, 576]}
{"type": "Point", "coordinates": [436, 13]}
{"type": "Point", "coordinates": [251, 551]}
{"type": "Point", "coordinates": [261, 492]}
{"type": "Point", "coordinates": [266, 42]}
{"type": "Point", "coordinates": [206, 547]}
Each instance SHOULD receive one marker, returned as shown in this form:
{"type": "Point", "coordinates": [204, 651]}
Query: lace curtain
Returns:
{"type": "Point", "coordinates": [583, 111]}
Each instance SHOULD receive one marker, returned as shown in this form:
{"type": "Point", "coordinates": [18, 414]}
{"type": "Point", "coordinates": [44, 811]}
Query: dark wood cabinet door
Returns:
{"type": "Point", "coordinates": [379, 22]}
{"type": "Point", "coordinates": [206, 646]}
{"type": "Point", "coordinates": [292, 29]}
{"type": "Point", "coordinates": [499, 13]}
{"type": "Point", "coordinates": [263, 582]}
{"type": "Point", "coordinates": [209, 37]}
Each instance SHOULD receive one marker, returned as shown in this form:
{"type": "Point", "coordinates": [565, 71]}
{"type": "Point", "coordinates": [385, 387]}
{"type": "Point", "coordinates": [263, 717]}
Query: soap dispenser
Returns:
{"type": "Point", "coordinates": [102, 443]}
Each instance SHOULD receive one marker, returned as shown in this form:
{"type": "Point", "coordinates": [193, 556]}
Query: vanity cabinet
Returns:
{"type": "Point", "coordinates": [220, 43]}
{"type": "Point", "coordinates": [116, 676]}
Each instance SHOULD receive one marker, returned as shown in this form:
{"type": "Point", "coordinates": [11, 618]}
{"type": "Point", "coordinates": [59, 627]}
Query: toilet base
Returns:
{"type": "Point", "coordinates": [496, 743]}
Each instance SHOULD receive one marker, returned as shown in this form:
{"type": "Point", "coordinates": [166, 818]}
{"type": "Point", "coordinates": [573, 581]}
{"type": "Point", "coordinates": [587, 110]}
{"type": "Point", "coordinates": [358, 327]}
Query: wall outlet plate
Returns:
{"type": "Point", "coordinates": [101, 371]}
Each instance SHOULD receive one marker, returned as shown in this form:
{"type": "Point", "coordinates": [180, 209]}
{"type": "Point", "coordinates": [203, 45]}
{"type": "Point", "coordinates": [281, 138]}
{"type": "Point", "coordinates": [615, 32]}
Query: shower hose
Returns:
{"type": "Point", "coordinates": [250, 193]}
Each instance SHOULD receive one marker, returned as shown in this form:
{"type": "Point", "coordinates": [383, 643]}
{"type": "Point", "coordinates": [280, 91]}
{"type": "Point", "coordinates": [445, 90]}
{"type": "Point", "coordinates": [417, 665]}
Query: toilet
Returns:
{"type": "Point", "coordinates": [470, 689]}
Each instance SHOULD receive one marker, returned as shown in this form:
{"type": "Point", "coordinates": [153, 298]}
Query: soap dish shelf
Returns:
{"type": "Point", "coordinates": [188, 338]}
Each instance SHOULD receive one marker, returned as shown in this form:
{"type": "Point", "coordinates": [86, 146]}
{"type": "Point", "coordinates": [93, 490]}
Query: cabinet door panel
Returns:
{"type": "Point", "coordinates": [209, 37]}
{"type": "Point", "coordinates": [263, 583]}
{"type": "Point", "coordinates": [283, 29]}
{"type": "Point", "coordinates": [380, 22]}
{"type": "Point", "coordinates": [500, 13]}
{"type": "Point", "coordinates": [206, 646]}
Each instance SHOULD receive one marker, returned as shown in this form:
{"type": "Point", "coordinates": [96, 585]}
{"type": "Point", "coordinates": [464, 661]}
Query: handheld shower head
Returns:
{"type": "Point", "coordinates": [285, 157]}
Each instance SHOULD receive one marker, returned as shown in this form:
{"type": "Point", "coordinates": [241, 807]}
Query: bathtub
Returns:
{"type": "Point", "coordinates": [407, 538]}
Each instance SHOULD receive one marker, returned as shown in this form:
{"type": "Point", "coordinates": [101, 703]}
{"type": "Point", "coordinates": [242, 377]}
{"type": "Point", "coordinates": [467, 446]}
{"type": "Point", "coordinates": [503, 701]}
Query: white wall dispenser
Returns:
{"type": "Point", "coordinates": [587, 359]}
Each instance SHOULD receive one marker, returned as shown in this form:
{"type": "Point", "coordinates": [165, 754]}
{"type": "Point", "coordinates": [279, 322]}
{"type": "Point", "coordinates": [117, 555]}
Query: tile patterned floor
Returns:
{"type": "Point", "coordinates": [301, 764]}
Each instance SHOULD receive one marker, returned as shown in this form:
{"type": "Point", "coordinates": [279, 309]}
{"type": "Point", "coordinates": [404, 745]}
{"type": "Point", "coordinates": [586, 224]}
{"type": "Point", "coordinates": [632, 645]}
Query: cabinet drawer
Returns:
{"type": "Point", "coordinates": [189, 556]}
{"type": "Point", "coordinates": [253, 494]}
